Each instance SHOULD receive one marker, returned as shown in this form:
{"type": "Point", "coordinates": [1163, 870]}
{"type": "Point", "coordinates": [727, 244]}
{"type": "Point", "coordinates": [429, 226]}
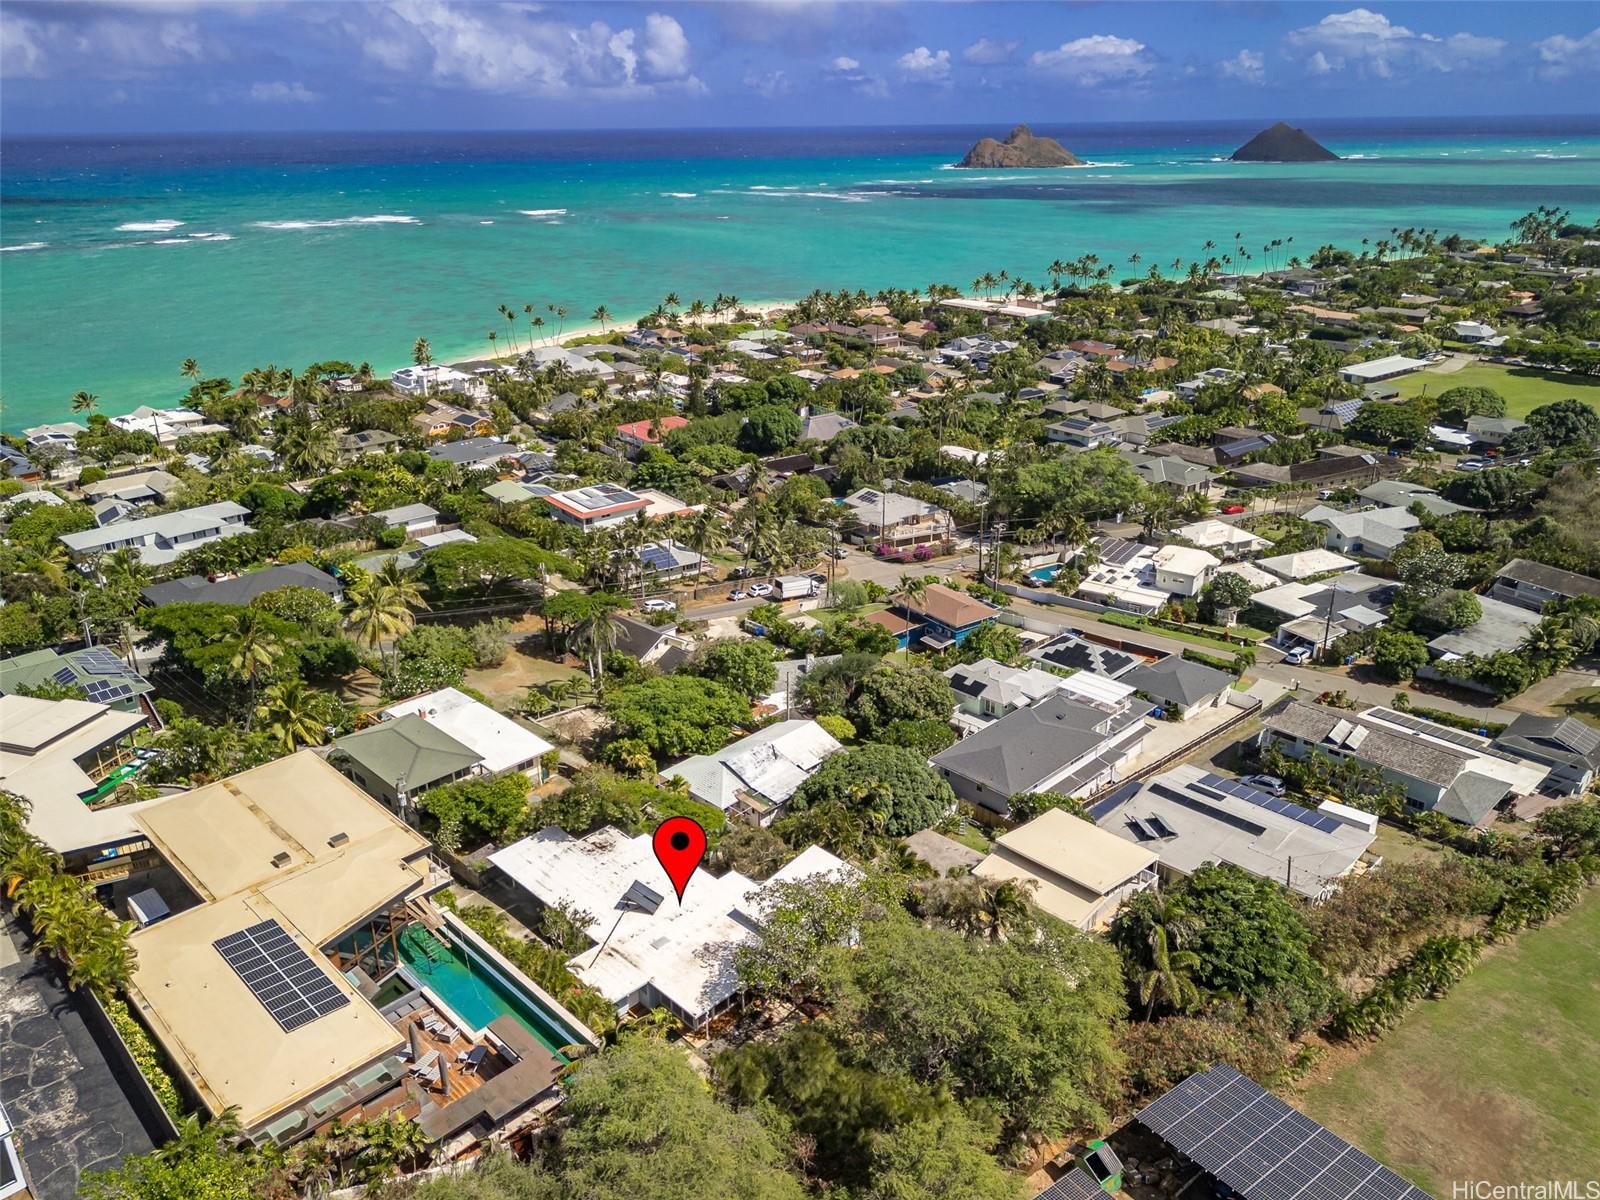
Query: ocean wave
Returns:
{"type": "Point", "coordinates": [149, 226]}
{"type": "Point", "coordinates": [211, 237]}
{"type": "Point", "coordinates": [846, 197]}
{"type": "Point", "coordinates": [26, 246]}
{"type": "Point", "coordinates": [681, 195]}
{"type": "Point", "coordinates": [1544, 155]}
{"type": "Point", "coordinates": [543, 212]}
{"type": "Point", "coordinates": [903, 181]}
{"type": "Point", "coordinates": [339, 222]}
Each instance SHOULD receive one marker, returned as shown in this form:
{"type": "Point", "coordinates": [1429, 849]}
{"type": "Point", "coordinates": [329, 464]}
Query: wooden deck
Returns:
{"type": "Point", "coordinates": [408, 1096]}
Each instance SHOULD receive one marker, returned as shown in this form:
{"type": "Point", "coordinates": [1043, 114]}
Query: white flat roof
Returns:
{"type": "Point", "coordinates": [1383, 368]}
{"type": "Point", "coordinates": [500, 742]}
{"type": "Point", "coordinates": [1306, 562]}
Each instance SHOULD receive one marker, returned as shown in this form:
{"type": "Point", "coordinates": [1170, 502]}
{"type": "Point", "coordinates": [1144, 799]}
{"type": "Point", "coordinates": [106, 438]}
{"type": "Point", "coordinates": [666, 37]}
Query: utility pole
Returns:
{"type": "Point", "coordinates": [83, 619]}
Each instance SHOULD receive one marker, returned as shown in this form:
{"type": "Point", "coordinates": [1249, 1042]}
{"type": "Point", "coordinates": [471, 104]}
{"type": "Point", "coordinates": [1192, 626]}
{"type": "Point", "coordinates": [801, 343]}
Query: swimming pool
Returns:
{"type": "Point", "coordinates": [1045, 574]}
{"type": "Point", "coordinates": [476, 991]}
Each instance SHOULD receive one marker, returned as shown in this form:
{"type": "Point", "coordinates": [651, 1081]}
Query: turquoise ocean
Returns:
{"type": "Point", "coordinates": [123, 256]}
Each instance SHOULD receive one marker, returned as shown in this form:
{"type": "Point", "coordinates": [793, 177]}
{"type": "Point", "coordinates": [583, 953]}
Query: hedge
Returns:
{"type": "Point", "coordinates": [151, 1065]}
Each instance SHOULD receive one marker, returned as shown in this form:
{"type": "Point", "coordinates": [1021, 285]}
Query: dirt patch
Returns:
{"type": "Point", "coordinates": [580, 727]}
{"type": "Point", "coordinates": [508, 683]}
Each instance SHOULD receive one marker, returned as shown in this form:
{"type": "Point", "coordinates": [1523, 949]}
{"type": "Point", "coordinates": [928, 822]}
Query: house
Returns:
{"type": "Point", "coordinates": [654, 952]}
{"type": "Point", "coordinates": [1069, 652]}
{"type": "Point", "coordinates": [988, 690]}
{"type": "Point", "coordinates": [366, 441]}
{"type": "Point", "coordinates": [597, 506]}
{"type": "Point", "coordinates": [509, 491]}
{"type": "Point", "coordinates": [636, 435]}
{"type": "Point", "coordinates": [1081, 433]}
{"type": "Point", "coordinates": [1058, 744]}
{"type": "Point", "coordinates": [166, 425]}
{"type": "Point", "coordinates": [1394, 493]}
{"type": "Point", "coordinates": [652, 645]}
{"type": "Point", "coordinates": [979, 350]}
{"type": "Point", "coordinates": [823, 426]}
{"type": "Point", "coordinates": [883, 518]}
{"type": "Point", "coordinates": [1440, 769]}
{"type": "Point", "coordinates": [139, 487]}
{"type": "Point", "coordinates": [1316, 614]}
{"type": "Point", "coordinates": [413, 519]}
{"type": "Point", "coordinates": [14, 464]}
{"type": "Point", "coordinates": [1077, 872]}
{"type": "Point", "coordinates": [1492, 431]}
{"type": "Point", "coordinates": [1501, 626]}
{"type": "Point", "coordinates": [501, 744]}
{"type": "Point", "coordinates": [427, 379]}
{"type": "Point", "coordinates": [1375, 533]}
{"type": "Point", "coordinates": [1306, 563]}
{"type": "Point", "coordinates": [1337, 318]}
{"type": "Point", "coordinates": [661, 562]}
{"type": "Point", "coordinates": [942, 617]}
{"type": "Point", "coordinates": [1227, 540]}
{"type": "Point", "coordinates": [1183, 570]}
{"type": "Point", "coordinates": [1379, 369]}
{"type": "Point", "coordinates": [1187, 688]}
{"type": "Point", "coordinates": [1533, 585]}
{"type": "Point", "coordinates": [1123, 576]}
{"type": "Point", "coordinates": [242, 589]}
{"type": "Point", "coordinates": [1472, 331]}
{"type": "Point", "coordinates": [1189, 817]}
{"type": "Point", "coordinates": [58, 435]}
{"type": "Point", "coordinates": [97, 672]}
{"type": "Point", "coordinates": [472, 452]}
{"type": "Point", "coordinates": [1569, 747]}
{"type": "Point", "coordinates": [109, 512]}
{"type": "Point", "coordinates": [160, 539]}
{"type": "Point", "coordinates": [1176, 475]}
{"type": "Point", "coordinates": [65, 757]}
{"type": "Point", "coordinates": [754, 777]}
{"type": "Point", "coordinates": [439, 420]}
{"type": "Point", "coordinates": [396, 760]}
{"type": "Point", "coordinates": [287, 985]}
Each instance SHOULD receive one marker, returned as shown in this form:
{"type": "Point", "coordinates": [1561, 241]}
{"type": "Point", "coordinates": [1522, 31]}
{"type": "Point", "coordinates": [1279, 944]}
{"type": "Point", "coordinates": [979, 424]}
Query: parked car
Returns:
{"type": "Point", "coordinates": [1297, 656]}
{"type": "Point", "coordinates": [1471, 464]}
{"type": "Point", "coordinates": [1265, 783]}
{"type": "Point", "coordinates": [761, 589]}
{"type": "Point", "coordinates": [738, 594]}
{"type": "Point", "coordinates": [838, 552]}
{"type": "Point", "coordinates": [657, 604]}
{"type": "Point", "coordinates": [1233, 510]}
{"type": "Point", "coordinates": [740, 573]}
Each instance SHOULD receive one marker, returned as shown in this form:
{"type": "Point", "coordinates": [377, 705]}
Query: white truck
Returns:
{"type": "Point", "coordinates": [794, 587]}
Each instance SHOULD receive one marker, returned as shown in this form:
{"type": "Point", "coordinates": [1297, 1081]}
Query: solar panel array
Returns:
{"type": "Point", "coordinates": [106, 691]}
{"type": "Point", "coordinates": [657, 557]}
{"type": "Point", "coordinates": [281, 975]}
{"type": "Point", "coordinates": [1124, 793]}
{"type": "Point", "coordinates": [1456, 737]}
{"type": "Point", "coordinates": [1074, 1185]}
{"type": "Point", "coordinates": [100, 662]}
{"type": "Point", "coordinates": [1251, 1141]}
{"type": "Point", "coordinates": [1287, 808]}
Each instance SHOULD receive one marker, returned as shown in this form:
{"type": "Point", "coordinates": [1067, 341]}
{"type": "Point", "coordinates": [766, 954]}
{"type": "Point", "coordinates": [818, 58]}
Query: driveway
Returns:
{"type": "Point", "coordinates": [63, 1095]}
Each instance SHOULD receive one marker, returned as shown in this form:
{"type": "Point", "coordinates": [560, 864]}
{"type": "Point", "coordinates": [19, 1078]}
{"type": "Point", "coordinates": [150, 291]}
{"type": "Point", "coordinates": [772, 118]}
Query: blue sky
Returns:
{"type": "Point", "coordinates": [192, 65]}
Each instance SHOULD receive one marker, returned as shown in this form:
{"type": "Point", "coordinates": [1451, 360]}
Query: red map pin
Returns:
{"type": "Point", "coordinates": [680, 845]}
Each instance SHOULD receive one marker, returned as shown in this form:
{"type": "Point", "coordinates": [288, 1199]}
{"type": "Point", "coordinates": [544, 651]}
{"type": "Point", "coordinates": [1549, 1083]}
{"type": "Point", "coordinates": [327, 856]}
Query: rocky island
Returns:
{"type": "Point", "coordinates": [1284, 144]}
{"type": "Point", "coordinates": [1020, 149]}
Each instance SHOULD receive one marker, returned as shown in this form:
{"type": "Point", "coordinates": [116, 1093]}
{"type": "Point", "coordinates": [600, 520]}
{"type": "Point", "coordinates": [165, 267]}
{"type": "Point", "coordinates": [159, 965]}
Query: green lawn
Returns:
{"type": "Point", "coordinates": [1523, 389]}
{"type": "Point", "coordinates": [1497, 1080]}
{"type": "Point", "coordinates": [1583, 704]}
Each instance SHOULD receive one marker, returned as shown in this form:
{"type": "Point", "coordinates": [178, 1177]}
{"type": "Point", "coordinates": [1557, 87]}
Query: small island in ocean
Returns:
{"type": "Point", "coordinates": [1284, 144]}
{"type": "Point", "coordinates": [1020, 149]}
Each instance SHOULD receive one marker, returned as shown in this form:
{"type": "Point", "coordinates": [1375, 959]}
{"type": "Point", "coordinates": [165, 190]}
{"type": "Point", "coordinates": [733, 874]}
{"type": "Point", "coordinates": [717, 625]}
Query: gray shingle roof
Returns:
{"type": "Point", "coordinates": [1562, 739]}
{"type": "Point", "coordinates": [1178, 680]}
{"type": "Point", "coordinates": [1552, 579]}
{"type": "Point", "coordinates": [1026, 747]}
{"type": "Point", "coordinates": [242, 589]}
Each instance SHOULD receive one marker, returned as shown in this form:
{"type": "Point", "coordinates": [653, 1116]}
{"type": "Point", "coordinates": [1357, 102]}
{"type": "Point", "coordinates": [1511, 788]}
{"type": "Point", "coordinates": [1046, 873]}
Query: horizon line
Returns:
{"type": "Point", "coordinates": [715, 128]}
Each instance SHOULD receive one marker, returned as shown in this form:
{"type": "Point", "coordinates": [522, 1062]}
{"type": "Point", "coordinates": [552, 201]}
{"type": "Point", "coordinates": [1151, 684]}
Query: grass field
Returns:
{"type": "Point", "coordinates": [1583, 704]}
{"type": "Point", "coordinates": [1497, 1081]}
{"type": "Point", "coordinates": [1524, 390]}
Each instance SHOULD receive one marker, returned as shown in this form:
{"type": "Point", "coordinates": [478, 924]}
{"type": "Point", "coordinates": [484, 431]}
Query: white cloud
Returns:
{"type": "Point", "coordinates": [1247, 66]}
{"type": "Point", "coordinates": [1561, 55]}
{"type": "Point", "coordinates": [525, 51]}
{"type": "Point", "coordinates": [987, 53]}
{"type": "Point", "coordinates": [925, 65]}
{"type": "Point", "coordinates": [1369, 44]}
{"type": "Point", "coordinates": [107, 44]}
{"type": "Point", "coordinates": [847, 70]}
{"type": "Point", "coordinates": [770, 85]}
{"type": "Point", "coordinates": [279, 92]}
{"type": "Point", "coordinates": [1099, 58]}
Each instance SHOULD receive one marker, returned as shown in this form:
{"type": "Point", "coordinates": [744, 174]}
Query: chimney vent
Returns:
{"type": "Point", "coordinates": [281, 859]}
{"type": "Point", "coordinates": [339, 839]}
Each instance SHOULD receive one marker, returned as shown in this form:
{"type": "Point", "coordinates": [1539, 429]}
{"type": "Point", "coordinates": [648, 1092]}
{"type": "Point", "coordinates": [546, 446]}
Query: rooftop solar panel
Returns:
{"type": "Point", "coordinates": [1124, 793]}
{"type": "Point", "coordinates": [65, 676]}
{"type": "Point", "coordinates": [1253, 1143]}
{"type": "Point", "coordinates": [1287, 808]}
{"type": "Point", "coordinates": [1074, 1185]}
{"type": "Point", "coordinates": [100, 662]}
{"type": "Point", "coordinates": [658, 557]}
{"type": "Point", "coordinates": [280, 974]}
{"type": "Point", "coordinates": [1139, 831]}
{"type": "Point", "coordinates": [1162, 829]}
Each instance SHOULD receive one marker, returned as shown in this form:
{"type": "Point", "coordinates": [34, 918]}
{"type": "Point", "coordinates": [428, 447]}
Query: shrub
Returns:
{"type": "Point", "coordinates": [839, 727]}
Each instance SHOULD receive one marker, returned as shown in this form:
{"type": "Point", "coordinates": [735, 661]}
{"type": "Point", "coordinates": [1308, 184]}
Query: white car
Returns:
{"type": "Point", "coordinates": [659, 605]}
{"type": "Point", "coordinates": [1297, 656]}
{"type": "Point", "coordinates": [761, 589]}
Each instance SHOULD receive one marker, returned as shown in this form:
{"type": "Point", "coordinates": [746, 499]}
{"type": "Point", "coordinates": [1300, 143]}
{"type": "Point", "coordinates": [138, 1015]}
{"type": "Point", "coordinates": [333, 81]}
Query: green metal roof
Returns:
{"type": "Point", "coordinates": [408, 746]}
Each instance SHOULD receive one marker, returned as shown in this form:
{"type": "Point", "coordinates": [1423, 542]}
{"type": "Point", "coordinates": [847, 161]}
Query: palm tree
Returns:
{"type": "Point", "coordinates": [381, 607]}
{"type": "Point", "coordinates": [912, 589]}
{"type": "Point", "coordinates": [1166, 973]}
{"type": "Point", "coordinates": [708, 532]}
{"type": "Point", "coordinates": [597, 634]}
{"type": "Point", "coordinates": [294, 715]}
{"type": "Point", "coordinates": [306, 447]}
{"type": "Point", "coordinates": [1007, 907]}
{"type": "Point", "coordinates": [255, 650]}
{"type": "Point", "coordinates": [190, 370]}
{"type": "Point", "coordinates": [29, 859]}
{"type": "Point", "coordinates": [601, 314]}
{"type": "Point", "coordinates": [84, 402]}
{"type": "Point", "coordinates": [422, 356]}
